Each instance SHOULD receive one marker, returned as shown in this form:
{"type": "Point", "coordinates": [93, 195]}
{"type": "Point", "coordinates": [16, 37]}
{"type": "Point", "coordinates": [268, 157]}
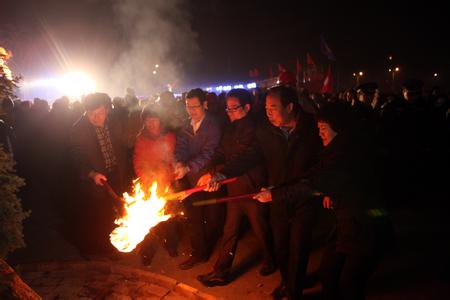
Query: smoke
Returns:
{"type": "Point", "coordinates": [155, 32]}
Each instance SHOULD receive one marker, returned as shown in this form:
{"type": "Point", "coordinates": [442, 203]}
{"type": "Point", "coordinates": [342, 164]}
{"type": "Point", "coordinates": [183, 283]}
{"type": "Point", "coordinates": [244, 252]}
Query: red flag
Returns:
{"type": "Point", "coordinates": [256, 72]}
{"type": "Point", "coordinates": [270, 71]}
{"type": "Point", "coordinates": [309, 60]}
{"type": "Point", "coordinates": [251, 74]}
{"type": "Point", "coordinates": [298, 66]}
{"type": "Point", "coordinates": [327, 86]}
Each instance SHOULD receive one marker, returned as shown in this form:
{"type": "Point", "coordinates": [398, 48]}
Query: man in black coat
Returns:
{"type": "Point", "coordinates": [238, 138]}
{"type": "Point", "coordinates": [288, 147]}
{"type": "Point", "coordinates": [347, 176]}
{"type": "Point", "coordinates": [98, 152]}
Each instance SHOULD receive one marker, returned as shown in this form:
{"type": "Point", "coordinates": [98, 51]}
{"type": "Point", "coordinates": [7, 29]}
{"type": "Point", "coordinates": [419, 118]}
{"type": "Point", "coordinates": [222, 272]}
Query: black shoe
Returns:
{"type": "Point", "coordinates": [147, 253]}
{"type": "Point", "coordinates": [212, 279]}
{"type": "Point", "coordinates": [146, 260]}
{"type": "Point", "coordinates": [191, 262]}
{"type": "Point", "coordinates": [171, 250]}
{"type": "Point", "coordinates": [114, 256]}
{"type": "Point", "coordinates": [267, 269]}
{"type": "Point", "coordinates": [279, 292]}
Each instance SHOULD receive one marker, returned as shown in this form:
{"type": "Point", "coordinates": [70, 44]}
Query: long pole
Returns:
{"type": "Point", "coordinates": [223, 199]}
{"type": "Point", "coordinates": [183, 194]}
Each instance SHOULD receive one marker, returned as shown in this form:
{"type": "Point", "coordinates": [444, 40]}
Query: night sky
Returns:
{"type": "Point", "coordinates": [215, 42]}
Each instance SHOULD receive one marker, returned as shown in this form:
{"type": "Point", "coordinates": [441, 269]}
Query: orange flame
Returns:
{"type": "Point", "coordinates": [140, 216]}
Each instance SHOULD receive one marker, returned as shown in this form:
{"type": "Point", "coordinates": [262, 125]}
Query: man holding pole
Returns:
{"type": "Point", "coordinates": [97, 149]}
{"type": "Point", "coordinates": [195, 146]}
{"type": "Point", "coordinates": [288, 146]}
{"type": "Point", "coordinates": [238, 138]}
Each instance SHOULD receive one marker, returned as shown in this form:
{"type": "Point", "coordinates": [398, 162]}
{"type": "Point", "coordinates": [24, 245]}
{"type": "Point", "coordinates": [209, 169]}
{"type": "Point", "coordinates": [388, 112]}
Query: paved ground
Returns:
{"type": "Point", "coordinates": [103, 280]}
{"type": "Point", "coordinates": [417, 269]}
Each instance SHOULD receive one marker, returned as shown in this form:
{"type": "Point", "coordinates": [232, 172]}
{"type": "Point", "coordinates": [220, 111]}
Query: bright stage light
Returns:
{"type": "Point", "coordinates": [74, 85]}
{"type": "Point", "coordinates": [77, 84]}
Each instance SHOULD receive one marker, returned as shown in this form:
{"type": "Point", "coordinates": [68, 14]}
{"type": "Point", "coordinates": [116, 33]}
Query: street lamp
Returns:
{"type": "Point", "coordinates": [435, 75]}
{"type": "Point", "coordinates": [357, 76]}
{"type": "Point", "coordinates": [395, 70]}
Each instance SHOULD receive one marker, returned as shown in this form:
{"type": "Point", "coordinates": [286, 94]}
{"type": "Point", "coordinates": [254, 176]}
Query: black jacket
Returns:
{"type": "Point", "coordinates": [238, 139]}
{"type": "Point", "coordinates": [85, 150]}
{"type": "Point", "coordinates": [286, 159]}
{"type": "Point", "coordinates": [347, 172]}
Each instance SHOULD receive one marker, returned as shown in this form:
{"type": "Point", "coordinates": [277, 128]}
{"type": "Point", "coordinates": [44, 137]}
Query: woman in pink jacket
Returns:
{"type": "Point", "coordinates": [153, 161]}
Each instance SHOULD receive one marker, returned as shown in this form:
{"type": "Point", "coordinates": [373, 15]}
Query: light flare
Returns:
{"type": "Point", "coordinates": [76, 84]}
{"type": "Point", "coordinates": [141, 214]}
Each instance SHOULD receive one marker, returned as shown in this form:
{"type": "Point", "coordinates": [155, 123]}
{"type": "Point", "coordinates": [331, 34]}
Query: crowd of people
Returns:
{"type": "Point", "coordinates": [359, 153]}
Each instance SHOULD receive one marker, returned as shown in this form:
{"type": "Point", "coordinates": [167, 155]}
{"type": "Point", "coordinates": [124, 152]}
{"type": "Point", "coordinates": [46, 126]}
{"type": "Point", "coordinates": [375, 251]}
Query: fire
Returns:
{"type": "Point", "coordinates": [140, 216]}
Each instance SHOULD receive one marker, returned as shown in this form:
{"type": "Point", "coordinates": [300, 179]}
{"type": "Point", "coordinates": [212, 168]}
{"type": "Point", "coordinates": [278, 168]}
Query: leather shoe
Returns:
{"type": "Point", "coordinates": [147, 255]}
{"type": "Point", "coordinates": [212, 279]}
{"type": "Point", "coordinates": [171, 250]}
{"type": "Point", "coordinates": [279, 292]}
{"type": "Point", "coordinates": [267, 269]}
{"type": "Point", "coordinates": [146, 260]}
{"type": "Point", "coordinates": [191, 262]}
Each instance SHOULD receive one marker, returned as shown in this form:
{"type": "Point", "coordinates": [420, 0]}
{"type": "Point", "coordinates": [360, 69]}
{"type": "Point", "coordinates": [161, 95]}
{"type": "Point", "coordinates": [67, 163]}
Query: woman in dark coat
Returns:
{"type": "Point", "coordinates": [347, 180]}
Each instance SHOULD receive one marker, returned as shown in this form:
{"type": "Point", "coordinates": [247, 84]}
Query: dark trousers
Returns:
{"type": "Point", "coordinates": [93, 221]}
{"type": "Point", "coordinates": [344, 276]}
{"type": "Point", "coordinates": [292, 231]}
{"type": "Point", "coordinates": [204, 223]}
{"type": "Point", "coordinates": [344, 273]}
{"type": "Point", "coordinates": [165, 233]}
{"type": "Point", "coordinates": [92, 216]}
{"type": "Point", "coordinates": [257, 214]}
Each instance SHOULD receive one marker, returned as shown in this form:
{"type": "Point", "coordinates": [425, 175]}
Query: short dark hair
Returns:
{"type": "Point", "coordinates": [199, 93]}
{"type": "Point", "coordinates": [244, 96]}
{"type": "Point", "coordinates": [286, 95]}
{"type": "Point", "coordinates": [150, 111]}
{"type": "Point", "coordinates": [367, 87]}
{"type": "Point", "coordinates": [95, 100]}
{"type": "Point", "coordinates": [337, 114]}
{"type": "Point", "coordinates": [413, 85]}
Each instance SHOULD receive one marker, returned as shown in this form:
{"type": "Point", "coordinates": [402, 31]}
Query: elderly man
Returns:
{"type": "Point", "coordinates": [196, 143]}
{"type": "Point", "coordinates": [98, 152]}
{"type": "Point", "coordinates": [288, 146]}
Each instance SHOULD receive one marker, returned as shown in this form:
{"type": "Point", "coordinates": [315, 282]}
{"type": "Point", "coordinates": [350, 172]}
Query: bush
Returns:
{"type": "Point", "coordinates": [11, 212]}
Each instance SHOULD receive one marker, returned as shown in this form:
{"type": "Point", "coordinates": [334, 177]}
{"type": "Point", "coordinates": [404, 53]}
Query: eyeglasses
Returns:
{"type": "Point", "coordinates": [232, 109]}
{"type": "Point", "coordinates": [193, 107]}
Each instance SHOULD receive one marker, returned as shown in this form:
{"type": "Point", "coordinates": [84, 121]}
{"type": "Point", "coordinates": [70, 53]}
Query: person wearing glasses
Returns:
{"type": "Point", "coordinates": [196, 143]}
{"type": "Point", "coordinates": [238, 138]}
{"type": "Point", "coordinates": [288, 145]}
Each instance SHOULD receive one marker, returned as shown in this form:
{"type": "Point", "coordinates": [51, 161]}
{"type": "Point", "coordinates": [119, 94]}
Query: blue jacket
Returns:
{"type": "Point", "coordinates": [196, 150]}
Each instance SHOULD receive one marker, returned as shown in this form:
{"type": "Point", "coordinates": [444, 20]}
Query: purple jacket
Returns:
{"type": "Point", "coordinates": [196, 150]}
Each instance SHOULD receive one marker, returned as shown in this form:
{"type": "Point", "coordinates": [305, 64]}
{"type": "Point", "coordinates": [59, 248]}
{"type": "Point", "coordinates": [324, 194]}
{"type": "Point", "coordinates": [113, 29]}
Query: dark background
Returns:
{"type": "Point", "coordinates": [232, 37]}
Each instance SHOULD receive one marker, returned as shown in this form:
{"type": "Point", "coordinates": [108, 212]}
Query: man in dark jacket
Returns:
{"type": "Point", "coordinates": [288, 146]}
{"type": "Point", "coordinates": [196, 143]}
{"type": "Point", "coordinates": [238, 137]}
{"type": "Point", "coordinates": [98, 152]}
{"type": "Point", "coordinates": [347, 175]}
